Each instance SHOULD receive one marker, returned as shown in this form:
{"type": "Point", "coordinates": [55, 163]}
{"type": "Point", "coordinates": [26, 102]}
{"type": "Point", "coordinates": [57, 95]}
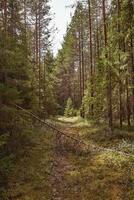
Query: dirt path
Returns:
{"type": "Point", "coordinates": [62, 165]}
{"type": "Point", "coordinates": [87, 176]}
{"type": "Point", "coordinates": [60, 168]}
{"type": "Point", "coordinates": [73, 174]}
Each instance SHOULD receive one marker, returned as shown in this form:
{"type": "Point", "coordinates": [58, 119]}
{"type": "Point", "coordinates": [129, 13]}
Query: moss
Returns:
{"type": "Point", "coordinates": [29, 178]}
{"type": "Point", "coordinates": [99, 175]}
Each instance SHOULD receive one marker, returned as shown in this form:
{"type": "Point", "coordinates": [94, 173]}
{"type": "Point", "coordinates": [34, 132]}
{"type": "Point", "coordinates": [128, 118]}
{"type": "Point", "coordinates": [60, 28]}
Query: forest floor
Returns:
{"type": "Point", "coordinates": [59, 168]}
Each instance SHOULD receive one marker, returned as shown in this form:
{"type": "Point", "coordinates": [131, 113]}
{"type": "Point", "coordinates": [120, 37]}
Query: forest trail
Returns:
{"type": "Point", "coordinates": [60, 168]}
{"type": "Point", "coordinates": [66, 100]}
{"type": "Point", "coordinates": [85, 176]}
{"type": "Point", "coordinates": [72, 172]}
{"type": "Point", "coordinates": [61, 165]}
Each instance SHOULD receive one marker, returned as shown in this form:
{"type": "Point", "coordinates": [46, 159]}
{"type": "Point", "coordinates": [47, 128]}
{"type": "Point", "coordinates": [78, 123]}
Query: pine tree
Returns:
{"type": "Point", "coordinates": [69, 111]}
{"type": "Point", "coordinates": [16, 77]}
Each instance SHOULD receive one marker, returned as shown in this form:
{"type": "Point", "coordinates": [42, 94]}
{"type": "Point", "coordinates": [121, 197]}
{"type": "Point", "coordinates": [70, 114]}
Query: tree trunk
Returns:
{"type": "Point", "coordinates": [25, 39]}
{"type": "Point", "coordinates": [91, 55]}
{"type": "Point", "coordinates": [12, 19]}
{"type": "Point", "coordinates": [127, 95]}
{"type": "Point", "coordinates": [82, 61]}
{"type": "Point", "coordinates": [5, 16]}
{"type": "Point", "coordinates": [97, 42]}
{"type": "Point", "coordinates": [109, 86]}
{"type": "Point", "coordinates": [80, 74]}
{"type": "Point", "coordinates": [120, 84]}
{"type": "Point", "coordinates": [132, 61]}
{"type": "Point", "coordinates": [36, 37]}
{"type": "Point", "coordinates": [128, 104]}
{"type": "Point", "coordinates": [39, 54]}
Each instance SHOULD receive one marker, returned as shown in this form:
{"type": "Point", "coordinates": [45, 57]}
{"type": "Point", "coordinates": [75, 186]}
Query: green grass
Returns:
{"type": "Point", "coordinates": [99, 175]}
{"type": "Point", "coordinates": [91, 176]}
{"type": "Point", "coordinates": [28, 179]}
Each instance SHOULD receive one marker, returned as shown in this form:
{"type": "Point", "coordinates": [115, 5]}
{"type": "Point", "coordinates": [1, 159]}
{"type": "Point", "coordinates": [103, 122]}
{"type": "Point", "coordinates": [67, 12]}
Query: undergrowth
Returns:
{"type": "Point", "coordinates": [101, 175]}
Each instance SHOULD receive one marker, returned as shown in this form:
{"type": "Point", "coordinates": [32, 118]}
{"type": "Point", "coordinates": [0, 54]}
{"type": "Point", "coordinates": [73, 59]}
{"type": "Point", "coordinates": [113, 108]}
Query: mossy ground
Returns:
{"type": "Point", "coordinates": [29, 178]}
{"type": "Point", "coordinates": [99, 175]}
{"type": "Point", "coordinates": [75, 174]}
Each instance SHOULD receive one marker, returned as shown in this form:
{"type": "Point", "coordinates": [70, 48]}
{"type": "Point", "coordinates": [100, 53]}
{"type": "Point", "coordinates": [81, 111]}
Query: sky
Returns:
{"type": "Point", "coordinates": [62, 17]}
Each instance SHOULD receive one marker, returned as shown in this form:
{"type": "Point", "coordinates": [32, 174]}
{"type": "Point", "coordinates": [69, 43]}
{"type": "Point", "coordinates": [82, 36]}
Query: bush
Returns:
{"type": "Point", "coordinates": [69, 110]}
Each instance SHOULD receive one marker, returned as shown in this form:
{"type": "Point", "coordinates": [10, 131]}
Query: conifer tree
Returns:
{"type": "Point", "coordinates": [69, 111]}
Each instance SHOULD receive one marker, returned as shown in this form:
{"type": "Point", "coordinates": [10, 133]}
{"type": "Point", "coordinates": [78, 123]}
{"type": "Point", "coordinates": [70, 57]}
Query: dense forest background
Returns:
{"type": "Point", "coordinates": [92, 76]}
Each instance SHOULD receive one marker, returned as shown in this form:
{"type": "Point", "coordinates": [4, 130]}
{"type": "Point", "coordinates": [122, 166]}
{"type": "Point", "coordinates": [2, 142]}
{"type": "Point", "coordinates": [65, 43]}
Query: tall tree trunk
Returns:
{"type": "Point", "coordinates": [128, 104]}
{"type": "Point", "coordinates": [97, 42]}
{"type": "Point", "coordinates": [109, 86]}
{"type": "Point", "coordinates": [36, 36]}
{"type": "Point", "coordinates": [5, 40]}
{"type": "Point", "coordinates": [12, 19]}
{"type": "Point", "coordinates": [132, 62]}
{"type": "Point", "coordinates": [5, 16]}
{"type": "Point", "coordinates": [82, 61]}
{"type": "Point", "coordinates": [39, 54]}
{"type": "Point", "coordinates": [91, 55]}
{"type": "Point", "coordinates": [74, 87]}
{"type": "Point", "coordinates": [80, 74]}
{"type": "Point", "coordinates": [120, 83]}
{"type": "Point", "coordinates": [25, 21]}
{"type": "Point", "coordinates": [44, 88]}
{"type": "Point", "coordinates": [37, 47]}
{"type": "Point", "coordinates": [127, 95]}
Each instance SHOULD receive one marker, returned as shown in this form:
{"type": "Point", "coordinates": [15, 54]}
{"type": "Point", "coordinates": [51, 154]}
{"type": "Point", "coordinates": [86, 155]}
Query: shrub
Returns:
{"type": "Point", "coordinates": [69, 110]}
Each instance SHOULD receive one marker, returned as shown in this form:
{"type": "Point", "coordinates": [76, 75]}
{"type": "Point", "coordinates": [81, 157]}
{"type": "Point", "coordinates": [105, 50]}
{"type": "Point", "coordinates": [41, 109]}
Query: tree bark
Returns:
{"type": "Point", "coordinates": [82, 60]}
{"type": "Point", "coordinates": [91, 55]}
{"type": "Point", "coordinates": [132, 62]}
{"type": "Point", "coordinates": [80, 74]}
{"type": "Point", "coordinates": [127, 94]}
{"type": "Point", "coordinates": [5, 16]}
{"type": "Point", "coordinates": [109, 85]}
{"type": "Point", "coordinates": [39, 54]}
{"type": "Point", "coordinates": [120, 84]}
{"type": "Point", "coordinates": [128, 104]}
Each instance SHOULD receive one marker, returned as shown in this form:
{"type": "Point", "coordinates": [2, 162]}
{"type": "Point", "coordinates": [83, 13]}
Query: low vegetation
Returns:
{"type": "Point", "coordinates": [88, 153]}
{"type": "Point", "coordinates": [99, 175]}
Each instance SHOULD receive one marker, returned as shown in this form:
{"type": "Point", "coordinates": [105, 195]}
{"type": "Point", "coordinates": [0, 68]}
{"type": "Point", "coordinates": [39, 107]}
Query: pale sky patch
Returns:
{"type": "Point", "coordinates": [61, 19]}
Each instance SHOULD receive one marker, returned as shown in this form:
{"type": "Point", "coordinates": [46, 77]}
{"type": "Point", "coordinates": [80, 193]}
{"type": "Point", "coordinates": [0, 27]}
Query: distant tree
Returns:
{"type": "Point", "coordinates": [69, 110]}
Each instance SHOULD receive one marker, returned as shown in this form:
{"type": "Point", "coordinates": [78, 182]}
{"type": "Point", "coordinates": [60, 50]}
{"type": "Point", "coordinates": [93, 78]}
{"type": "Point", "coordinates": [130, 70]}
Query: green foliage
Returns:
{"type": "Point", "coordinates": [69, 110]}
{"type": "Point", "coordinates": [49, 104]}
{"type": "Point", "coordinates": [62, 82]}
{"type": "Point", "coordinates": [101, 175]}
{"type": "Point", "coordinates": [16, 78]}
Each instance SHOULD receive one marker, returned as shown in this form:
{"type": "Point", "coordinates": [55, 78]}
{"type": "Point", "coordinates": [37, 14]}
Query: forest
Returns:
{"type": "Point", "coordinates": [67, 120]}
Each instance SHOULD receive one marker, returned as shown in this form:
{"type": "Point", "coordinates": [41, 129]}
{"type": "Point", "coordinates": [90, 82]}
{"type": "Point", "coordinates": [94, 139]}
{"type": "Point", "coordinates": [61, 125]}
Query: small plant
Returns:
{"type": "Point", "coordinates": [69, 110]}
